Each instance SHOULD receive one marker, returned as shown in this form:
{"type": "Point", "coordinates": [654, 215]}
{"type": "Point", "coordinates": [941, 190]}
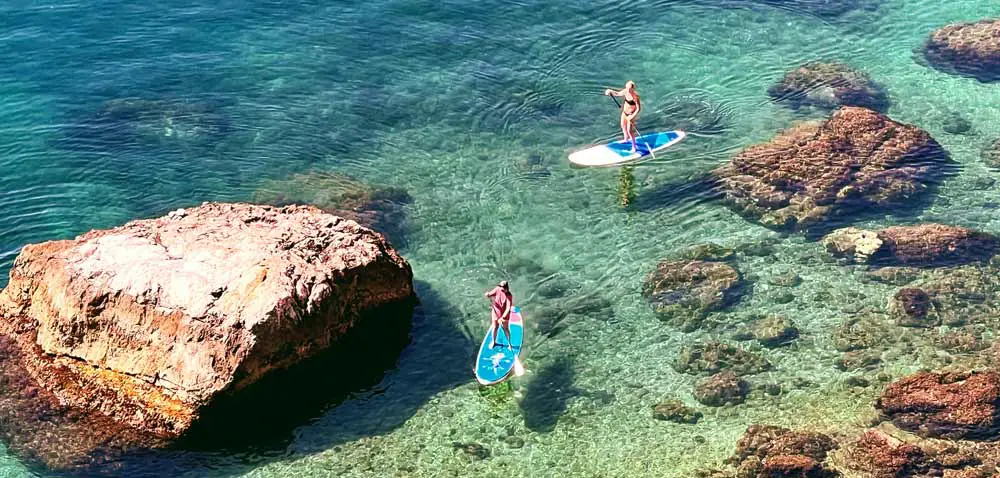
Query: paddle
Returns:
{"type": "Point", "coordinates": [619, 105]}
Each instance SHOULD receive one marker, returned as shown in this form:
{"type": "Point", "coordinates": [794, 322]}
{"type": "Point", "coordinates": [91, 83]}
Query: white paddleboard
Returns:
{"type": "Point", "coordinates": [620, 152]}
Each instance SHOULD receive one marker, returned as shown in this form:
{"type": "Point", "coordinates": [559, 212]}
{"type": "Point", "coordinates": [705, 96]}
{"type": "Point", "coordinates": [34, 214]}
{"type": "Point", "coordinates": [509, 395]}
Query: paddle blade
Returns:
{"type": "Point", "coordinates": [518, 368]}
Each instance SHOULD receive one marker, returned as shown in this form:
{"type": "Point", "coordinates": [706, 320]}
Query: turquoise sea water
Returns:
{"type": "Point", "coordinates": [472, 107]}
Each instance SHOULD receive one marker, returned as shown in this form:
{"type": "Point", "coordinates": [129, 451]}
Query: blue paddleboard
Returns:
{"type": "Point", "coordinates": [494, 365]}
{"type": "Point", "coordinates": [619, 152]}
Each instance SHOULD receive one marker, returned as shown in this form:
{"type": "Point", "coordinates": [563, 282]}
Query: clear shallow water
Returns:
{"type": "Point", "coordinates": [449, 100]}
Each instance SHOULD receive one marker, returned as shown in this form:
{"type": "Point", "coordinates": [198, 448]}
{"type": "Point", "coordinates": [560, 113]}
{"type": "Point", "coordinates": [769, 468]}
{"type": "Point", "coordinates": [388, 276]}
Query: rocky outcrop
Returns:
{"type": "Point", "coordinates": [970, 49]}
{"type": "Point", "coordinates": [829, 85]}
{"type": "Point", "coordinates": [380, 208]}
{"type": "Point", "coordinates": [920, 245]}
{"type": "Point", "coordinates": [684, 292]}
{"type": "Point", "coordinates": [814, 172]}
{"type": "Point", "coordinates": [945, 405]}
{"type": "Point", "coordinates": [884, 456]}
{"type": "Point", "coordinates": [770, 451]}
{"type": "Point", "coordinates": [148, 323]}
{"type": "Point", "coordinates": [714, 357]}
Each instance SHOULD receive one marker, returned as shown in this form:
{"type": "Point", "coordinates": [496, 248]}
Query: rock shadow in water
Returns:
{"type": "Point", "coordinates": [670, 195]}
{"type": "Point", "coordinates": [547, 397]}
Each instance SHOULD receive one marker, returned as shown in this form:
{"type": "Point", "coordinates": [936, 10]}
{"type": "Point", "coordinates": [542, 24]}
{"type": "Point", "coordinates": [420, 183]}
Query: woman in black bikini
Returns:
{"type": "Point", "coordinates": [630, 110]}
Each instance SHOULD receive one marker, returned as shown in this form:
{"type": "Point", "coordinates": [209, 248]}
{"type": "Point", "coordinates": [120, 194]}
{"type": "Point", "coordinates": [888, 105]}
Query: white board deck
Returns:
{"type": "Point", "coordinates": [620, 152]}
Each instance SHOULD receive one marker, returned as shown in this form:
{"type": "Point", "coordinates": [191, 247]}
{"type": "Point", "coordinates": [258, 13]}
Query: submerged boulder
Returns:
{"type": "Point", "coordinates": [724, 388]}
{"type": "Point", "coordinates": [378, 207]}
{"type": "Point", "coordinates": [912, 307]}
{"type": "Point", "coordinates": [152, 322]}
{"type": "Point", "coordinates": [684, 292]}
{"type": "Point", "coordinates": [945, 405]}
{"type": "Point", "coordinates": [814, 172]}
{"type": "Point", "coordinates": [881, 455]}
{"type": "Point", "coordinates": [919, 245]}
{"type": "Point", "coordinates": [674, 410]}
{"type": "Point", "coordinates": [714, 357]}
{"type": "Point", "coordinates": [970, 49]}
{"type": "Point", "coordinates": [829, 85]}
{"type": "Point", "coordinates": [774, 331]}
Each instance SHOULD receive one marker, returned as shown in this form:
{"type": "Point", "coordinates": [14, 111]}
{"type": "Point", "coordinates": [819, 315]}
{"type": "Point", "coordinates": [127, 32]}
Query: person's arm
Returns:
{"type": "Point", "coordinates": [492, 292]}
{"type": "Point", "coordinates": [506, 309]}
{"type": "Point", "coordinates": [610, 92]}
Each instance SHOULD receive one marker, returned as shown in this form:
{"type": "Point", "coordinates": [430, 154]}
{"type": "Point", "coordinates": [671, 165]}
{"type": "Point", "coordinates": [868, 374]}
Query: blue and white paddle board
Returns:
{"type": "Point", "coordinates": [494, 365]}
{"type": "Point", "coordinates": [620, 152]}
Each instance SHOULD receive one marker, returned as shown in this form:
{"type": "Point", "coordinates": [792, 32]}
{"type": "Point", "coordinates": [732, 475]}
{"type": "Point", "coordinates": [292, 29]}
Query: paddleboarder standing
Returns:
{"type": "Point", "coordinates": [630, 110]}
{"type": "Point", "coordinates": [502, 301]}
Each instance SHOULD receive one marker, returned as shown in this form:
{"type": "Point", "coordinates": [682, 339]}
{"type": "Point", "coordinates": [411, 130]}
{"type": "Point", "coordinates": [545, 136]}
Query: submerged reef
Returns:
{"type": "Point", "coordinates": [829, 85]}
{"type": "Point", "coordinates": [970, 49]}
{"type": "Point", "coordinates": [814, 173]}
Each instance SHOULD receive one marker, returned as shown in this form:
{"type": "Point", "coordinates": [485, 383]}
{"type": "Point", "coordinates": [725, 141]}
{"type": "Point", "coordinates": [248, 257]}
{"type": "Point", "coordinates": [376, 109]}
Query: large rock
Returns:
{"type": "Point", "coordinates": [829, 85]}
{"type": "Point", "coordinates": [945, 405]}
{"type": "Point", "coordinates": [883, 456]}
{"type": "Point", "coordinates": [813, 172]}
{"type": "Point", "coordinates": [971, 49]}
{"type": "Point", "coordinates": [684, 292]}
{"type": "Point", "coordinates": [149, 322]}
{"type": "Point", "coordinates": [918, 245]}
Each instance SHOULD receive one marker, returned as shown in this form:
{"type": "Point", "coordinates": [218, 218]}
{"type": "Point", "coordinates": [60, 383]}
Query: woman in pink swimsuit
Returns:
{"type": "Point", "coordinates": [503, 300]}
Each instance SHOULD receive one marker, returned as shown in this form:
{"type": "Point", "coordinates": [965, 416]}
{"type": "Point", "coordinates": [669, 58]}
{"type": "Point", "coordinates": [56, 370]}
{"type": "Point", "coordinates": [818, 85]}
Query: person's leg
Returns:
{"type": "Point", "coordinates": [631, 135]}
{"type": "Point", "coordinates": [626, 128]}
{"type": "Point", "coordinates": [496, 328]}
{"type": "Point", "coordinates": [506, 330]}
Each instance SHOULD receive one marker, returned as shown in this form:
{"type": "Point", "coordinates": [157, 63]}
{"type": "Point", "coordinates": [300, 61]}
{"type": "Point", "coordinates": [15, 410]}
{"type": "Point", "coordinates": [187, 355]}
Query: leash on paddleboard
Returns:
{"type": "Point", "coordinates": [650, 148]}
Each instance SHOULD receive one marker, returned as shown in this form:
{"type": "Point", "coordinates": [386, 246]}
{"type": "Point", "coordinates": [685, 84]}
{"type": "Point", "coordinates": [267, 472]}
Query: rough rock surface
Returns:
{"type": "Point", "coordinates": [829, 85]}
{"type": "Point", "coordinates": [714, 357]}
{"type": "Point", "coordinates": [883, 456]}
{"type": "Point", "coordinates": [683, 292]}
{"type": "Point", "coordinates": [724, 388]}
{"type": "Point", "coordinates": [770, 451]}
{"type": "Point", "coordinates": [148, 322]}
{"type": "Point", "coordinates": [971, 49]}
{"type": "Point", "coordinates": [945, 405]}
{"type": "Point", "coordinates": [919, 245]}
{"type": "Point", "coordinates": [813, 172]}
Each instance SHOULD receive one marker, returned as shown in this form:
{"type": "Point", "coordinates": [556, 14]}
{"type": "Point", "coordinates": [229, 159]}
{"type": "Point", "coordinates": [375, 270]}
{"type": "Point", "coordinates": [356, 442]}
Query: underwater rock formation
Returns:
{"type": "Point", "coordinates": [151, 322]}
{"type": "Point", "coordinates": [920, 245]}
{"type": "Point", "coordinates": [125, 121]}
{"type": "Point", "coordinates": [945, 405]}
{"type": "Point", "coordinates": [723, 388]}
{"type": "Point", "coordinates": [770, 451]}
{"type": "Point", "coordinates": [815, 172]}
{"type": "Point", "coordinates": [380, 208]}
{"type": "Point", "coordinates": [774, 331]}
{"type": "Point", "coordinates": [674, 410]}
{"type": "Point", "coordinates": [684, 292]}
{"type": "Point", "coordinates": [829, 85]}
{"type": "Point", "coordinates": [970, 49]}
{"type": "Point", "coordinates": [714, 357]}
{"type": "Point", "coordinates": [912, 307]}
{"type": "Point", "coordinates": [882, 455]}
